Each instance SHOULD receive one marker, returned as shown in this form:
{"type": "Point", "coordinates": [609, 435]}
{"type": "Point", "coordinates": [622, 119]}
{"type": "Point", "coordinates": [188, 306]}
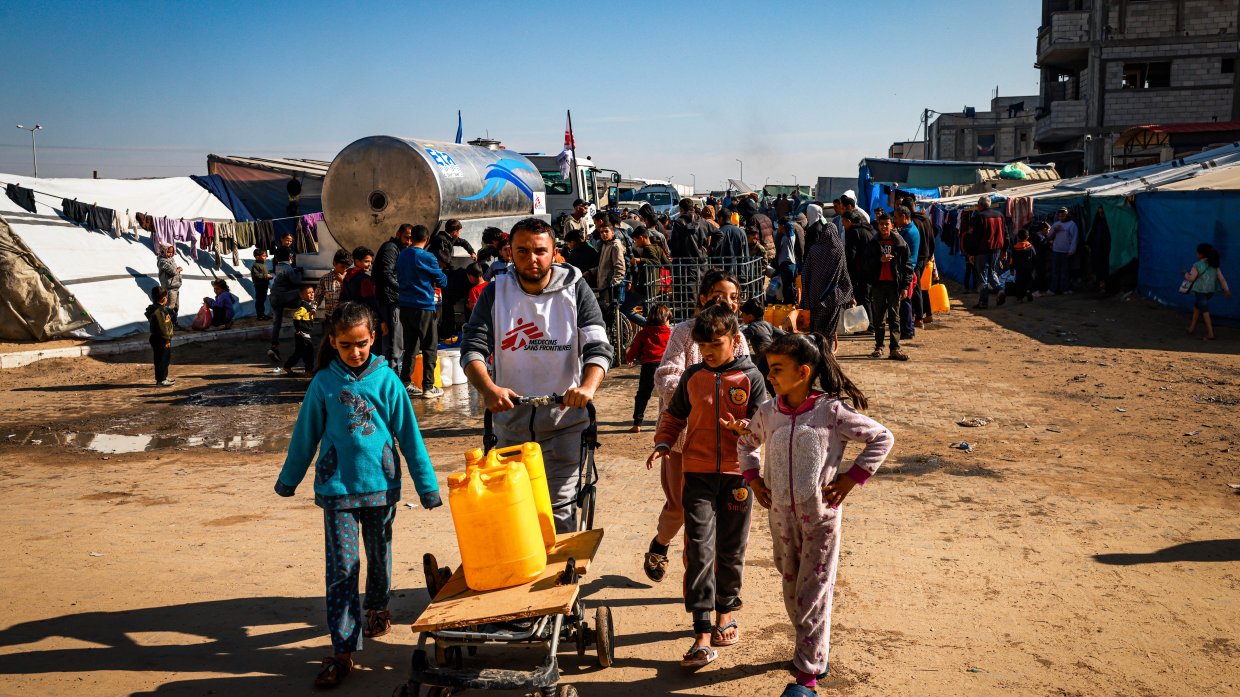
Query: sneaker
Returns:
{"type": "Point", "coordinates": [432, 393]}
{"type": "Point", "coordinates": [274, 354]}
{"type": "Point", "coordinates": [281, 371]}
{"type": "Point", "coordinates": [920, 324]}
{"type": "Point", "coordinates": [413, 391]}
{"type": "Point", "coordinates": [166, 383]}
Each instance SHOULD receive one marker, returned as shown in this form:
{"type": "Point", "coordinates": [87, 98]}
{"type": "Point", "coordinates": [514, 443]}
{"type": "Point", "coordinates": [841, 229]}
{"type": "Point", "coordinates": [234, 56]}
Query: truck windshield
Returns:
{"type": "Point", "coordinates": [656, 198]}
{"type": "Point", "coordinates": [555, 183]}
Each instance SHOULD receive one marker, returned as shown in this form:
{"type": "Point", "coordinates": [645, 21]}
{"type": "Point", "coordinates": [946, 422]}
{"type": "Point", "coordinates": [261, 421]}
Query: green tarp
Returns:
{"type": "Point", "coordinates": [1122, 219]}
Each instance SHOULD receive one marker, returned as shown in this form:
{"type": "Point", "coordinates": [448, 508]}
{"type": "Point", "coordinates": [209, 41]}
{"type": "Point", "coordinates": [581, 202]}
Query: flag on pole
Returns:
{"type": "Point", "coordinates": [458, 127]}
{"type": "Point", "coordinates": [566, 159]}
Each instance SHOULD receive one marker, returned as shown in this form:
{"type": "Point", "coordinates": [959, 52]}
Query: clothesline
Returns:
{"type": "Point", "coordinates": [58, 198]}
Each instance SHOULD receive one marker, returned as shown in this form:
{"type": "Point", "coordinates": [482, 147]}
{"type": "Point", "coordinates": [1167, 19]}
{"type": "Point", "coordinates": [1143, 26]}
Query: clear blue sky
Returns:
{"type": "Point", "coordinates": [657, 89]}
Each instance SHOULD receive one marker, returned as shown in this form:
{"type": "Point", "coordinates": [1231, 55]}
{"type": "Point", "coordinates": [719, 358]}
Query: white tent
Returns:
{"type": "Point", "coordinates": [111, 278]}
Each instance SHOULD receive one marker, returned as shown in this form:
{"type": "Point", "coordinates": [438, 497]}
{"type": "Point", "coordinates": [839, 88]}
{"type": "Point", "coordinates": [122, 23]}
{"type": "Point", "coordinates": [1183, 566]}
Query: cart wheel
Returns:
{"type": "Point", "coordinates": [439, 692]}
{"type": "Point", "coordinates": [604, 637]}
{"type": "Point", "coordinates": [567, 691]}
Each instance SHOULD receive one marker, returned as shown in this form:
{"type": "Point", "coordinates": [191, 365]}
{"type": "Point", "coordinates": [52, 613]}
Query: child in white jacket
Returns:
{"type": "Point", "coordinates": [805, 432]}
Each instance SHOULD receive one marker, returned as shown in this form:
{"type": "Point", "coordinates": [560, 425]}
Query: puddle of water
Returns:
{"type": "Point", "coordinates": [120, 443]}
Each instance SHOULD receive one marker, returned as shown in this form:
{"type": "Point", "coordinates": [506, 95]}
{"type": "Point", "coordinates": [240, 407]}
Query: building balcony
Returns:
{"type": "Point", "coordinates": [1066, 119]}
{"type": "Point", "coordinates": [1065, 41]}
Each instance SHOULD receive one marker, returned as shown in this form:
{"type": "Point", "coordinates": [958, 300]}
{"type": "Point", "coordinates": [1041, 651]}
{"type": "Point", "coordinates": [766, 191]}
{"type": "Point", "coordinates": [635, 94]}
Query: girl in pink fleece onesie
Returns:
{"type": "Point", "coordinates": [803, 484]}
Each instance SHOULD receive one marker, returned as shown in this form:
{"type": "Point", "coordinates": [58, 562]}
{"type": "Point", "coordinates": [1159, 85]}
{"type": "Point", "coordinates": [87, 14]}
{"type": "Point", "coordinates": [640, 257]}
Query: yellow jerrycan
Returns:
{"type": "Point", "coordinates": [939, 302]}
{"type": "Point", "coordinates": [496, 526]}
{"type": "Point", "coordinates": [530, 455]}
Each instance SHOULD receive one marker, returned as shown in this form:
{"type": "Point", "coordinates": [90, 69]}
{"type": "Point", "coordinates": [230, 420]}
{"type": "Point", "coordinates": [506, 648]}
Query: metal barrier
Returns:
{"type": "Point", "coordinates": [676, 284]}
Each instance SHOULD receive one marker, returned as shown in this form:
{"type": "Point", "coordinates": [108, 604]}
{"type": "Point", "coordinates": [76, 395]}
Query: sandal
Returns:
{"type": "Point", "coordinates": [378, 623]}
{"type": "Point", "coordinates": [333, 672]}
{"type": "Point", "coordinates": [898, 355]}
{"type": "Point", "coordinates": [716, 635]}
{"type": "Point", "coordinates": [699, 656]}
{"type": "Point", "coordinates": [877, 353]}
{"type": "Point", "coordinates": [655, 566]}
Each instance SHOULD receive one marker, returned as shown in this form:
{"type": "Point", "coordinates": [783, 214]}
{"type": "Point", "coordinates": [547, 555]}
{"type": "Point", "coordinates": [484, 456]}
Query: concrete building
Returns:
{"type": "Point", "coordinates": [907, 150]}
{"type": "Point", "coordinates": [1109, 65]}
{"type": "Point", "coordinates": [1003, 133]}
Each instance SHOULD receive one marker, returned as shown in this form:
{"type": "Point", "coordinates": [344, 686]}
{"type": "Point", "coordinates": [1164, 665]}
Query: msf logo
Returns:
{"type": "Point", "coordinates": [520, 335]}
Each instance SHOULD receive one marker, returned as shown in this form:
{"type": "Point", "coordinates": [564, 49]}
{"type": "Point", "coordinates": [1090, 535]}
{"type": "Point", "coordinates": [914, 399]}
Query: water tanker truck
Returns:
{"type": "Point", "coordinates": [377, 183]}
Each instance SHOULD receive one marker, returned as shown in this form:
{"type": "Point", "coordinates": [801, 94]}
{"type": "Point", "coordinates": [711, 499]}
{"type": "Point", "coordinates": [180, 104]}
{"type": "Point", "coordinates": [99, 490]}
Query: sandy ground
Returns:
{"type": "Point", "coordinates": [1089, 545]}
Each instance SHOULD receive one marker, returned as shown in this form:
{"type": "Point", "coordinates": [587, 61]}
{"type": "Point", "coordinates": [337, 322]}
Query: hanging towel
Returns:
{"type": "Point", "coordinates": [21, 196]}
{"type": "Point", "coordinates": [145, 221]}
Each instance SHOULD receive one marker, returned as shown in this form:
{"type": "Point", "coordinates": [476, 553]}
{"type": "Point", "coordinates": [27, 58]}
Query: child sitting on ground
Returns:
{"type": "Point", "coordinates": [648, 348]}
{"type": "Point", "coordinates": [354, 414]}
{"type": "Point", "coordinates": [717, 502]}
{"type": "Point", "coordinates": [223, 305]}
{"type": "Point", "coordinates": [805, 431]}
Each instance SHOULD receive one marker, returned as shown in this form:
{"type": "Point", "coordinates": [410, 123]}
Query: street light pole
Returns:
{"type": "Point", "coordinates": [742, 169]}
{"type": "Point", "coordinates": [34, 151]}
{"type": "Point", "coordinates": [795, 184]}
{"type": "Point", "coordinates": [694, 183]}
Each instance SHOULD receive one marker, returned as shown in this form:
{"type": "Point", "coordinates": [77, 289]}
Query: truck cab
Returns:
{"type": "Point", "coordinates": [588, 182]}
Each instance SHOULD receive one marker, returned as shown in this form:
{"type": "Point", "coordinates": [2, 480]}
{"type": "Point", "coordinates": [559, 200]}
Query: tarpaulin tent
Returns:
{"type": "Point", "coordinates": [1172, 224]}
{"type": "Point", "coordinates": [216, 185]}
{"type": "Point", "coordinates": [262, 183]}
{"type": "Point", "coordinates": [110, 277]}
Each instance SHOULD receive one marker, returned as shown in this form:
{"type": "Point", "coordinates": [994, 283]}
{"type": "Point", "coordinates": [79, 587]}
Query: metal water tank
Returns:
{"type": "Point", "coordinates": [377, 183]}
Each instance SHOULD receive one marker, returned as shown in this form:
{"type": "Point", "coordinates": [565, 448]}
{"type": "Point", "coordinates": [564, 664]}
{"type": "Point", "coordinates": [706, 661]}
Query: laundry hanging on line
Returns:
{"type": "Point", "coordinates": [21, 196]}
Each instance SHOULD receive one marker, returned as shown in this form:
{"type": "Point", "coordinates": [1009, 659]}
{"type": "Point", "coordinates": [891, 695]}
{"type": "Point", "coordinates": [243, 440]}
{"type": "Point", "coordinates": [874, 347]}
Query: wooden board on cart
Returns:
{"type": "Point", "coordinates": [458, 606]}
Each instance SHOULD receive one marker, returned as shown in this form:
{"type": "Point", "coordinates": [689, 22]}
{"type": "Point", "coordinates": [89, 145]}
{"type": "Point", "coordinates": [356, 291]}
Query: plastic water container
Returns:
{"type": "Point", "coordinates": [939, 302]}
{"type": "Point", "coordinates": [529, 455]}
{"type": "Point", "coordinates": [854, 319]}
{"type": "Point", "coordinates": [415, 375]}
{"type": "Point", "coordinates": [496, 525]}
{"type": "Point", "coordinates": [458, 372]}
{"type": "Point", "coordinates": [448, 362]}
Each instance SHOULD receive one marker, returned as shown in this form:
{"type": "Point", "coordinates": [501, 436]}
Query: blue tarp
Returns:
{"type": "Point", "coordinates": [1170, 226]}
{"type": "Point", "coordinates": [221, 190]}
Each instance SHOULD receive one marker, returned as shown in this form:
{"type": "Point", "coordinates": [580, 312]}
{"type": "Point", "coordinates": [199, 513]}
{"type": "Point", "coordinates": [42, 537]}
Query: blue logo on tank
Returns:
{"type": "Point", "coordinates": [499, 175]}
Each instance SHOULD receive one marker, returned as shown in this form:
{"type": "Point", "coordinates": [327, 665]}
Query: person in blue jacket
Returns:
{"type": "Point", "coordinates": [418, 275]}
{"type": "Point", "coordinates": [354, 414]}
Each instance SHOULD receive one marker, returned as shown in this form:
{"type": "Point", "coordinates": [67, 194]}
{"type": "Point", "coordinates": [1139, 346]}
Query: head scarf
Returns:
{"type": "Point", "coordinates": [813, 213]}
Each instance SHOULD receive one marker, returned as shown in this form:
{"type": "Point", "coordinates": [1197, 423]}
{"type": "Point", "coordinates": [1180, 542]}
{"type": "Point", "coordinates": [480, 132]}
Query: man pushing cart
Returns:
{"type": "Point", "coordinates": [540, 326]}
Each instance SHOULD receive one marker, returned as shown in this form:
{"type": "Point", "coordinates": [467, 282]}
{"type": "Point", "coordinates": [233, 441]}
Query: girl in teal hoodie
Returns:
{"type": "Point", "coordinates": [354, 413]}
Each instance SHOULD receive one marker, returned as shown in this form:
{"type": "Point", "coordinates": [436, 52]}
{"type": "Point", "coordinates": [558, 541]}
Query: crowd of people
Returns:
{"type": "Point", "coordinates": [537, 327]}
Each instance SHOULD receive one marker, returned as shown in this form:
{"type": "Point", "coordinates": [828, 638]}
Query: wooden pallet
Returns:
{"type": "Point", "coordinates": [457, 606]}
